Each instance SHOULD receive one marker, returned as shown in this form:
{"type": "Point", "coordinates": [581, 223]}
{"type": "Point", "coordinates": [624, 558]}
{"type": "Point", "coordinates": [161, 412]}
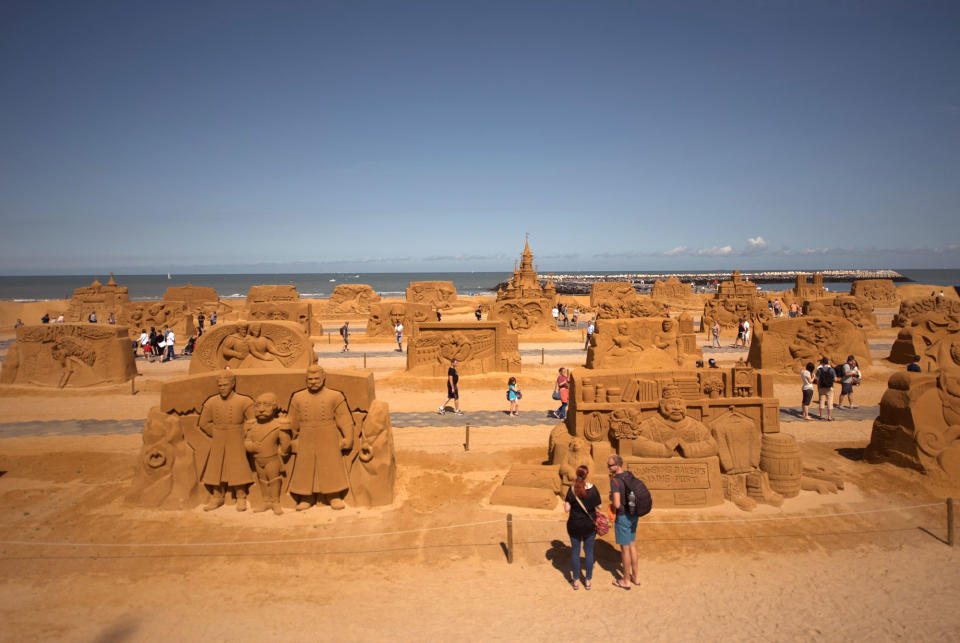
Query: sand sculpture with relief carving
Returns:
{"type": "Point", "coordinates": [734, 299]}
{"type": "Point", "coordinates": [280, 303]}
{"type": "Point", "coordinates": [197, 298]}
{"type": "Point", "coordinates": [649, 343]}
{"type": "Point", "coordinates": [919, 422]}
{"type": "Point", "coordinates": [385, 315]}
{"type": "Point", "coordinates": [351, 300]}
{"type": "Point", "coordinates": [252, 345]}
{"type": "Point", "coordinates": [480, 347]}
{"type": "Point", "coordinates": [672, 288]}
{"type": "Point", "coordinates": [923, 336]}
{"type": "Point", "coordinates": [879, 292]}
{"type": "Point", "coordinates": [856, 310]}
{"type": "Point", "coordinates": [435, 294]}
{"type": "Point", "coordinates": [619, 300]}
{"type": "Point", "coordinates": [792, 342]}
{"type": "Point", "coordinates": [695, 437]}
{"type": "Point", "coordinates": [524, 305]}
{"type": "Point", "coordinates": [176, 315]}
{"type": "Point", "coordinates": [69, 355]}
{"type": "Point", "coordinates": [258, 436]}
{"type": "Point", "coordinates": [98, 299]}
{"type": "Point", "coordinates": [910, 308]}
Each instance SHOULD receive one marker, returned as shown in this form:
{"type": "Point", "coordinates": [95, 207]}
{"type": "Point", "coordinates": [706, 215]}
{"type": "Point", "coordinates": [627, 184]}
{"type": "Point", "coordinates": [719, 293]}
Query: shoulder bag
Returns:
{"type": "Point", "coordinates": [601, 523]}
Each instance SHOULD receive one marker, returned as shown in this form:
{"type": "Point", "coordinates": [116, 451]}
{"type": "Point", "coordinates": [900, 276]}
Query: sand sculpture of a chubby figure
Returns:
{"type": "Point", "coordinates": [267, 441]}
{"type": "Point", "coordinates": [222, 418]}
{"type": "Point", "coordinates": [322, 429]}
{"type": "Point", "coordinates": [672, 433]}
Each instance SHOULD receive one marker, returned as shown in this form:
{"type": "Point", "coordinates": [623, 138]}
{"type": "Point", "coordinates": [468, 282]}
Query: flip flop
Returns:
{"type": "Point", "coordinates": [587, 585]}
{"type": "Point", "coordinates": [575, 585]}
{"type": "Point", "coordinates": [626, 587]}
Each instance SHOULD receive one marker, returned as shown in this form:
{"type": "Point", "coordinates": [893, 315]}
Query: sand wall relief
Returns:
{"type": "Point", "coordinates": [480, 347]}
{"type": "Point", "coordinates": [910, 308]}
{"type": "Point", "coordinates": [734, 299]}
{"type": "Point", "coordinates": [252, 345]}
{"type": "Point", "coordinates": [879, 292]}
{"type": "Point", "coordinates": [856, 310]}
{"type": "Point", "coordinates": [435, 294]}
{"type": "Point", "coordinates": [385, 315]}
{"type": "Point", "coordinates": [792, 342]}
{"type": "Point", "coordinates": [641, 344]}
{"type": "Point", "coordinates": [672, 288]}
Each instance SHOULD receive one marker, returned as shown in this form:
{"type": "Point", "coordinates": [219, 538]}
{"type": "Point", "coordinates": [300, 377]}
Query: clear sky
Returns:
{"type": "Point", "coordinates": [429, 136]}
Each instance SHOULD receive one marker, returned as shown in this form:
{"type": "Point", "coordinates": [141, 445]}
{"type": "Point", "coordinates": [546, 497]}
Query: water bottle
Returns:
{"type": "Point", "coordinates": [631, 503]}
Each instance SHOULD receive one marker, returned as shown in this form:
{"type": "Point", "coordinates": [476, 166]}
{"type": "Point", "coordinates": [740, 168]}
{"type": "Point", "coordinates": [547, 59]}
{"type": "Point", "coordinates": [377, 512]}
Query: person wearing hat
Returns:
{"type": "Point", "coordinates": [712, 363]}
{"type": "Point", "coordinates": [849, 377]}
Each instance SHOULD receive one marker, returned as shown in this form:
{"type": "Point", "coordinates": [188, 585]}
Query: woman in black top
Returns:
{"type": "Point", "coordinates": [580, 524]}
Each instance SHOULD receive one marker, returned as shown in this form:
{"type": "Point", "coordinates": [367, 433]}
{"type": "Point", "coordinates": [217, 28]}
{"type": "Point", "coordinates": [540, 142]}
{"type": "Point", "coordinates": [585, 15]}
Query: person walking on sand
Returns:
{"type": "Point", "coordinates": [849, 377]}
{"type": "Point", "coordinates": [513, 396]}
{"type": "Point", "coordinates": [590, 329]}
{"type": "Point", "coordinates": [736, 342]}
{"type": "Point", "coordinates": [806, 389]}
{"type": "Point", "coordinates": [345, 334]}
{"type": "Point", "coordinates": [581, 506]}
{"type": "Point", "coordinates": [625, 527]}
{"type": "Point", "coordinates": [478, 313]}
{"type": "Point", "coordinates": [169, 338]}
{"type": "Point", "coordinates": [825, 378]}
{"type": "Point", "coordinates": [715, 331]}
{"type": "Point", "coordinates": [556, 316]}
{"type": "Point", "coordinates": [746, 333]}
{"type": "Point", "coordinates": [453, 391]}
{"type": "Point", "coordinates": [398, 329]}
{"type": "Point", "coordinates": [561, 392]}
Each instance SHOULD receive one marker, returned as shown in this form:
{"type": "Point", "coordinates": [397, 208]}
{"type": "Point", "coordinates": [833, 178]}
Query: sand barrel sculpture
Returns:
{"type": "Point", "coordinates": [694, 437]}
{"type": "Point", "coordinates": [434, 294]}
{"type": "Point", "coordinates": [267, 439]}
{"type": "Point", "coordinates": [249, 345]}
{"type": "Point", "coordinates": [642, 344]}
{"type": "Point", "coordinates": [792, 342]}
{"type": "Point", "coordinates": [385, 316]}
{"type": "Point", "coordinates": [69, 355]}
{"type": "Point", "coordinates": [524, 304]}
{"type": "Point", "coordinates": [480, 347]}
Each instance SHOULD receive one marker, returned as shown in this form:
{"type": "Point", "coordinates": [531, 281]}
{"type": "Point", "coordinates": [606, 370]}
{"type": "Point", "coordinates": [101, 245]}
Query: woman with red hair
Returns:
{"type": "Point", "coordinates": [581, 504]}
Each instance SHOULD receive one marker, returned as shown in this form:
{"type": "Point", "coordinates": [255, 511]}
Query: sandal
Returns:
{"type": "Point", "coordinates": [575, 585]}
{"type": "Point", "coordinates": [617, 584]}
{"type": "Point", "coordinates": [586, 585]}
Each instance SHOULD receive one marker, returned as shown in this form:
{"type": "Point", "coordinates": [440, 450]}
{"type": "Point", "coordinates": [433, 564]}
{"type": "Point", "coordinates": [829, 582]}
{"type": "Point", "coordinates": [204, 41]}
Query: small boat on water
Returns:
{"type": "Point", "coordinates": [333, 280]}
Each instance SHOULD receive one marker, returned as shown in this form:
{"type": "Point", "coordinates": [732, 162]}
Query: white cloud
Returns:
{"type": "Point", "coordinates": [756, 243]}
{"type": "Point", "coordinates": [679, 250]}
{"type": "Point", "coordinates": [716, 251]}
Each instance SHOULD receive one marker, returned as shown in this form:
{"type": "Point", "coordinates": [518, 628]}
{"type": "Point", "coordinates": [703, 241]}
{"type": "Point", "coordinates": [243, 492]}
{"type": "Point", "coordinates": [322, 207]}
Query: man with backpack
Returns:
{"type": "Point", "coordinates": [630, 499]}
{"type": "Point", "coordinates": [345, 334]}
{"type": "Point", "coordinates": [825, 378]}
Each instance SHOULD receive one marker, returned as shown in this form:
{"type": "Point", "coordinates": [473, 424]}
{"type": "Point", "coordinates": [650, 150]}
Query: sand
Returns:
{"type": "Point", "coordinates": [433, 563]}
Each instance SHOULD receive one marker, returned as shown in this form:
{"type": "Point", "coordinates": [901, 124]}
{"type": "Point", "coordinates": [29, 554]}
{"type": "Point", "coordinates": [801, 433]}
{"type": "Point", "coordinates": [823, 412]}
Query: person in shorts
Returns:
{"type": "Point", "coordinates": [625, 527]}
{"type": "Point", "coordinates": [345, 334]}
{"type": "Point", "coordinates": [849, 377]}
{"type": "Point", "coordinates": [806, 389]}
{"type": "Point", "coordinates": [824, 379]}
{"type": "Point", "coordinates": [453, 391]}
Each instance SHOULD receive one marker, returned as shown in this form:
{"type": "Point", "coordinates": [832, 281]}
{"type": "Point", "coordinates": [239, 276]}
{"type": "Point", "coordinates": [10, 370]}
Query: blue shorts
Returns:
{"type": "Point", "coordinates": [625, 529]}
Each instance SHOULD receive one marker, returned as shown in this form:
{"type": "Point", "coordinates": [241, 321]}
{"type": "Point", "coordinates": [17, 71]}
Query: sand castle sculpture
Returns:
{"type": "Point", "coordinates": [856, 310]}
{"type": "Point", "coordinates": [480, 347]}
{"type": "Point", "coordinates": [435, 294]}
{"type": "Point", "coordinates": [98, 299]}
{"type": "Point", "coordinates": [734, 299]}
{"type": "Point", "coordinates": [924, 336]}
{"type": "Point", "coordinates": [69, 355]}
{"type": "Point", "coordinates": [619, 300]}
{"type": "Point", "coordinates": [792, 342]}
{"type": "Point", "coordinates": [642, 344]}
{"type": "Point", "coordinates": [351, 300]}
{"type": "Point", "coordinates": [268, 438]}
{"type": "Point", "coordinates": [280, 303]}
{"type": "Point", "coordinates": [252, 345]}
{"type": "Point", "coordinates": [672, 288]}
{"type": "Point", "coordinates": [910, 308]}
{"type": "Point", "coordinates": [695, 437]}
{"type": "Point", "coordinates": [879, 292]}
{"type": "Point", "coordinates": [802, 291]}
{"type": "Point", "coordinates": [524, 304]}
{"type": "Point", "coordinates": [385, 315]}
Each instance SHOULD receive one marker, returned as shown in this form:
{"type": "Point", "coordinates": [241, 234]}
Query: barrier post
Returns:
{"type": "Point", "coordinates": [133, 385]}
{"type": "Point", "coordinates": [951, 522]}
{"type": "Point", "coordinates": [466, 443]}
{"type": "Point", "coordinates": [329, 341]}
{"type": "Point", "coordinates": [510, 538]}
{"type": "Point", "coordinates": [541, 354]}
{"type": "Point", "coordinates": [364, 360]}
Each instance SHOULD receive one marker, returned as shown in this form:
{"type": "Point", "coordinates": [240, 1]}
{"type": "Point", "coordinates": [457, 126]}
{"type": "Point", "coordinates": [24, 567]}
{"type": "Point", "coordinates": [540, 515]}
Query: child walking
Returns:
{"type": "Point", "coordinates": [513, 395]}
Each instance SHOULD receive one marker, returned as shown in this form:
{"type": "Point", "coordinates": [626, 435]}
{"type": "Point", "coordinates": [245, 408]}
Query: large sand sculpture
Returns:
{"type": "Point", "coordinates": [879, 292]}
{"type": "Point", "coordinates": [98, 299]}
{"type": "Point", "coordinates": [856, 310]}
{"type": "Point", "coordinates": [351, 300]}
{"type": "Point", "coordinates": [910, 308]}
{"type": "Point", "coordinates": [385, 315]}
{"type": "Point", "coordinates": [619, 300]}
{"type": "Point", "coordinates": [642, 344]}
{"type": "Point", "coordinates": [672, 288]}
{"type": "Point", "coordinates": [280, 303]}
{"type": "Point", "coordinates": [480, 347]}
{"type": "Point", "coordinates": [792, 342]}
{"type": "Point", "coordinates": [924, 336]}
{"type": "Point", "coordinates": [70, 355]}
{"type": "Point", "coordinates": [259, 436]}
{"type": "Point", "coordinates": [252, 345]}
{"type": "Point", "coordinates": [734, 299]}
{"type": "Point", "coordinates": [197, 298]}
{"type": "Point", "coordinates": [524, 304]}
{"type": "Point", "coordinates": [694, 437]}
{"type": "Point", "coordinates": [435, 294]}
{"type": "Point", "coordinates": [802, 291]}
{"type": "Point", "coordinates": [138, 315]}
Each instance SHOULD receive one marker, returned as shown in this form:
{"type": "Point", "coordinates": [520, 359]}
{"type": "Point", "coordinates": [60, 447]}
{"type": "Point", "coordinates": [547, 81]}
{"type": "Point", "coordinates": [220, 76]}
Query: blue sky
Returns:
{"type": "Point", "coordinates": [409, 136]}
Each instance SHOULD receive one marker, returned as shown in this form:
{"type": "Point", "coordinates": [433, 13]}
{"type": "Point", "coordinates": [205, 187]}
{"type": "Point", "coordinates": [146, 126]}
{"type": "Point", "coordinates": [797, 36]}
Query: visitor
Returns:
{"type": "Point", "coordinates": [19, 323]}
{"type": "Point", "coordinates": [213, 318]}
{"type": "Point", "coordinates": [513, 395]}
{"type": "Point", "coordinates": [849, 377]}
{"type": "Point", "coordinates": [453, 391]}
{"type": "Point", "coordinates": [438, 315]}
{"type": "Point", "coordinates": [556, 316]}
{"type": "Point", "coordinates": [478, 313]}
{"type": "Point", "coordinates": [625, 527]}
{"type": "Point", "coordinates": [60, 318]}
{"type": "Point", "coordinates": [777, 308]}
{"type": "Point", "coordinates": [188, 349]}
{"type": "Point", "coordinates": [169, 339]}
{"type": "Point", "coordinates": [581, 504]}
{"type": "Point", "coordinates": [200, 319]}
{"type": "Point", "coordinates": [45, 319]}
{"type": "Point", "coordinates": [736, 342]}
{"type": "Point", "coordinates": [746, 332]}
{"type": "Point", "coordinates": [566, 317]}
{"type": "Point", "coordinates": [715, 331]}
{"type": "Point", "coordinates": [398, 330]}
{"type": "Point", "coordinates": [561, 392]}
{"type": "Point", "coordinates": [793, 309]}
{"type": "Point", "coordinates": [345, 334]}
{"type": "Point", "coordinates": [155, 339]}
{"type": "Point", "coordinates": [111, 320]}
{"type": "Point", "coordinates": [914, 366]}
{"type": "Point", "coordinates": [806, 389]}
{"type": "Point", "coordinates": [576, 316]}
{"type": "Point", "coordinates": [712, 363]}
{"type": "Point", "coordinates": [590, 329]}
{"type": "Point", "coordinates": [144, 342]}
{"type": "Point", "coordinates": [825, 378]}
{"type": "Point", "coordinates": [666, 311]}
{"type": "Point", "coordinates": [92, 317]}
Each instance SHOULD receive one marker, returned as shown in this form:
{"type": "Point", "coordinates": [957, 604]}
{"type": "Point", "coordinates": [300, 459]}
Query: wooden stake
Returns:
{"type": "Point", "coordinates": [541, 354]}
{"type": "Point", "coordinates": [951, 522]}
{"type": "Point", "coordinates": [510, 538]}
{"type": "Point", "coordinates": [466, 443]}
{"type": "Point", "coordinates": [364, 360]}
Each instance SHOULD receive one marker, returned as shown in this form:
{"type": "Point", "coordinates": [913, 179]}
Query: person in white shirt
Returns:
{"type": "Point", "coordinates": [849, 377]}
{"type": "Point", "coordinates": [398, 329]}
{"type": "Point", "coordinates": [144, 342]}
{"type": "Point", "coordinates": [169, 338]}
{"type": "Point", "coordinates": [746, 332]}
{"type": "Point", "coordinates": [556, 316]}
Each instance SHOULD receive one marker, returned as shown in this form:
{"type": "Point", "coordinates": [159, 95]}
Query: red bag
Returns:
{"type": "Point", "coordinates": [602, 524]}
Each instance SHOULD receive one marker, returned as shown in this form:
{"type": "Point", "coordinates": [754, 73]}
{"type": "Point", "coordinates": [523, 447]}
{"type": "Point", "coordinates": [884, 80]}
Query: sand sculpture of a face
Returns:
{"type": "Point", "coordinates": [397, 312]}
{"type": "Point", "coordinates": [265, 407]}
{"type": "Point", "coordinates": [315, 378]}
{"type": "Point", "coordinates": [667, 325]}
{"type": "Point", "coordinates": [672, 406]}
{"type": "Point", "coordinates": [225, 385]}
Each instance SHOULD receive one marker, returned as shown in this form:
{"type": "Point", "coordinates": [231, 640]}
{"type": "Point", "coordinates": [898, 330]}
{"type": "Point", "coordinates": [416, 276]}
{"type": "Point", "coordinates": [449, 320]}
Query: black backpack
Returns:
{"type": "Point", "coordinates": [826, 377]}
{"type": "Point", "coordinates": [635, 500]}
{"type": "Point", "coordinates": [343, 331]}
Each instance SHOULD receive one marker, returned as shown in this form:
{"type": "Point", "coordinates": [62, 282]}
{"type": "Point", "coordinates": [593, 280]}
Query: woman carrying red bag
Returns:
{"type": "Point", "coordinates": [581, 504]}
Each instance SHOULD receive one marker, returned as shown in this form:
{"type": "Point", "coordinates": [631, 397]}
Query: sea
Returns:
{"type": "Point", "coordinates": [321, 285]}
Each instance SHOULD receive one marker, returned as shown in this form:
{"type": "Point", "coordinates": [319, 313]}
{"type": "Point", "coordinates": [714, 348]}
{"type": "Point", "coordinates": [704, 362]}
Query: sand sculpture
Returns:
{"type": "Point", "coordinates": [197, 298]}
{"type": "Point", "coordinates": [604, 291]}
{"type": "Point", "coordinates": [792, 342]}
{"type": "Point", "coordinates": [642, 344]}
{"type": "Point", "coordinates": [619, 300]}
{"type": "Point", "coordinates": [252, 345]}
{"type": "Point", "coordinates": [856, 310]}
{"type": "Point", "coordinates": [385, 315]}
{"type": "Point", "coordinates": [524, 304]}
{"type": "Point", "coordinates": [256, 436]}
{"type": "Point", "coordinates": [672, 288]}
{"type": "Point", "coordinates": [272, 293]}
{"type": "Point", "coordinates": [351, 300]}
{"type": "Point", "coordinates": [879, 292]}
{"type": "Point", "coordinates": [696, 437]}
{"type": "Point", "coordinates": [924, 337]}
{"type": "Point", "coordinates": [802, 291]}
{"type": "Point", "coordinates": [280, 303]}
{"type": "Point", "coordinates": [176, 315]}
{"type": "Point", "coordinates": [436, 294]}
{"type": "Point", "coordinates": [734, 299]}
{"type": "Point", "coordinates": [480, 347]}
{"type": "Point", "coordinates": [72, 354]}
{"type": "Point", "coordinates": [96, 298]}
{"type": "Point", "coordinates": [910, 308]}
